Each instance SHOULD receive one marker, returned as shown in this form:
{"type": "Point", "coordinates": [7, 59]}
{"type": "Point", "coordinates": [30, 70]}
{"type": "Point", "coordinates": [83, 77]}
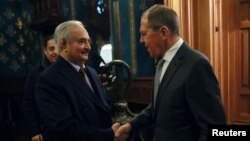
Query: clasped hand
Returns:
{"type": "Point", "coordinates": [121, 132]}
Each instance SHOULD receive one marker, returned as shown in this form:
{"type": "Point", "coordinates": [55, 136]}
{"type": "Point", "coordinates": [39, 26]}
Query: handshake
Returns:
{"type": "Point", "coordinates": [121, 132]}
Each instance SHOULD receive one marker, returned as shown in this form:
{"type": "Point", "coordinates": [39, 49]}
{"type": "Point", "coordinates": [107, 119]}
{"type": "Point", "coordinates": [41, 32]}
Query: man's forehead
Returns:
{"type": "Point", "coordinates": [143, 24]}
{"type": "Point", "coordinates": [85, 38]}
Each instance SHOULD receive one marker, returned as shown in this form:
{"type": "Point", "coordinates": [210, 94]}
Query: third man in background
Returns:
{"type": "Point", "coordinates": [31, 113]}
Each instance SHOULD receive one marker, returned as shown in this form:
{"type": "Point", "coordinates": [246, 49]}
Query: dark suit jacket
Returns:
{"type": "Point", "coordinates": [69, 110]}
{"type": "Point", "coordinates": [188, 100]}
{"type": "Point", "coordinates": [31, 114]}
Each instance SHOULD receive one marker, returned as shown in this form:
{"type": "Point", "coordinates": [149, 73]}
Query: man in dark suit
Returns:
{"type": "Point", "coordinates": [186, 97]}
{"type": "Point", "coordinates": [73, 105]}
{"type": "Point", "coordinates": [31, 113]}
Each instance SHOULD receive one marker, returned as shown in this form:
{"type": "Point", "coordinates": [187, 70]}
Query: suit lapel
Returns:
{"type": "Point", "coordinates": [74, 77]}
{"type": "Point", "coordinates": [96, 86]}
{"type": "Point", "coordinates": [169, 74]}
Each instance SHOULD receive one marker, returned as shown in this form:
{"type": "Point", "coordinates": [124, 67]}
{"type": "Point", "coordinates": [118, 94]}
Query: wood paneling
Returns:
{"type": "Point", "coordinates": [141, 90]}
{"type": "Point", "coordinates": [242, 94]}
{"type": "Point", "coordinates": [184, 10]}
{"type": "Point", "coordinates": [244, 46]}
{"type": "Point", "coordinates": [227, 43]}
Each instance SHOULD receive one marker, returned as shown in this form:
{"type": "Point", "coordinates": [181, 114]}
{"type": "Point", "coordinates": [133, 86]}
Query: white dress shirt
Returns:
{"type": "Point", "coordinates": [169, 55]}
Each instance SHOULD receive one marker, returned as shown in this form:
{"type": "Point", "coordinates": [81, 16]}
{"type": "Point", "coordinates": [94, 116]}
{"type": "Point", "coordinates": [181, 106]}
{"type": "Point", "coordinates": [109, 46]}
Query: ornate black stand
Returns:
{"type": "Point", "coordinates": [118, 79]}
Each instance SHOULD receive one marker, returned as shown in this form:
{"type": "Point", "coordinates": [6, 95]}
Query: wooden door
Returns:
{"type": "Point", "coordinates": [242, 95]}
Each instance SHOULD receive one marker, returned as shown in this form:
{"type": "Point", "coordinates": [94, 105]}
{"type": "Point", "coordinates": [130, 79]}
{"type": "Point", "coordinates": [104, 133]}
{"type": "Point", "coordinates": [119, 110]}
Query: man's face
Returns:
{"type": "Point", "coordinates": [151, 39]}
{"type": "Point", "coordinates": [78, 47]}
{"type": "Point", "coordinates": [50, 51]}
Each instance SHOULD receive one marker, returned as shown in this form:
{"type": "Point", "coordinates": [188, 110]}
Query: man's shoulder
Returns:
{"type": "Point", "coordinates": [195, 54]}
{"type": "Point", "coordinates": [49, 70]}
{"type": "Point", "coordinates": [36, 71]}
{"type": "Point", "coordinates": [91, 70]}
{"type": "Point", "coordinates": [55, 70]}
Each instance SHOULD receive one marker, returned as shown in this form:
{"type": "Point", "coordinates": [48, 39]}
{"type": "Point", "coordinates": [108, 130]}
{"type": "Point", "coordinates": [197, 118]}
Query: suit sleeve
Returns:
{"type": "Point", "coordinates": [204, 98]}
{"type": "Point", "coordinates": [59, 121]}
{"type": "Point", "coordinates": [144, 119]}
{"type": "Point", "coordinates": [31, 115]}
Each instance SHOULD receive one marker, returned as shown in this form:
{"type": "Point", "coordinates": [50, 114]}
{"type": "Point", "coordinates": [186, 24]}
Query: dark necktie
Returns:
{"type": "Point", "coordinates": [85, 78]}
{"type": "Point", "coordinates": [83, 73]}
{"type": "Point", "coordinates": [157, 77]}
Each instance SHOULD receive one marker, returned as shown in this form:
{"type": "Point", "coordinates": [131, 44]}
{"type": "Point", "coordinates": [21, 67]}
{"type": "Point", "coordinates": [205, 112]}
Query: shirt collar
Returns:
{"type": "Point", "coordinates": [168, 56]}
{"type": "Point", "coordinates": [75, 66]}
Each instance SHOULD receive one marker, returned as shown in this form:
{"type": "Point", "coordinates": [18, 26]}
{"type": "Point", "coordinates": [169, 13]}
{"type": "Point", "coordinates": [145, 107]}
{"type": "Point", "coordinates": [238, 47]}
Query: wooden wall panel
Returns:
{"type": "Point", "coordinates": [242, 95]}
{"type": "Point", "coordinates": [243, 88]}
{"type": "Point", "coordinates": [141, 90]}
{"type": "Point", "coordinates": [184, 10]}
{"type": "Point", "coordinates": [227, 44]}
{"type": "Point", "coordinates": [243, 109]}
{"type": "Point", "coordinates": [244, 41]}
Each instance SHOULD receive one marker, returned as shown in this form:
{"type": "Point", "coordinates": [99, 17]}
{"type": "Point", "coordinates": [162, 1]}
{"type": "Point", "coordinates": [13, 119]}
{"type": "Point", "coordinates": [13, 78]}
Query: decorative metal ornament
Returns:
{"type": "Point", "coordinates": [118, 82]}
{"type": "Point", "coordinates": [20, 40]}
{"type": "Point", "coordinates": [19, 23]}
{"type": "Point", "coordinates": [22, 57]}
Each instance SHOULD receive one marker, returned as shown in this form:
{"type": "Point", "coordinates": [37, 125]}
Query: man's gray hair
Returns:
{"type": "Point", "coordinates": [160, 15]}
{"type": "Point", "coordinates": [63, 32]}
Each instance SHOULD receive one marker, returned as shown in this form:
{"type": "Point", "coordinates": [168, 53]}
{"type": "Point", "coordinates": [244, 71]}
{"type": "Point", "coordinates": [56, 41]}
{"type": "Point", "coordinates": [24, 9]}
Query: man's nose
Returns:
{"type": "Point", "coordinates": [141, 40]}
{"type": "Point", "coordinates": [54, 53]}
{"type": "Point", "coordinates": [88, 46]}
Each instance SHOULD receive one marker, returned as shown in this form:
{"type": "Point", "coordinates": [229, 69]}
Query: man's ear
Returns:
{"type": "Point", "coordinates": [164, 32]}
{"type": "Point", "coordinates": [44, 50]}
{"type": "Point", "coordinates": [63, 43]}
